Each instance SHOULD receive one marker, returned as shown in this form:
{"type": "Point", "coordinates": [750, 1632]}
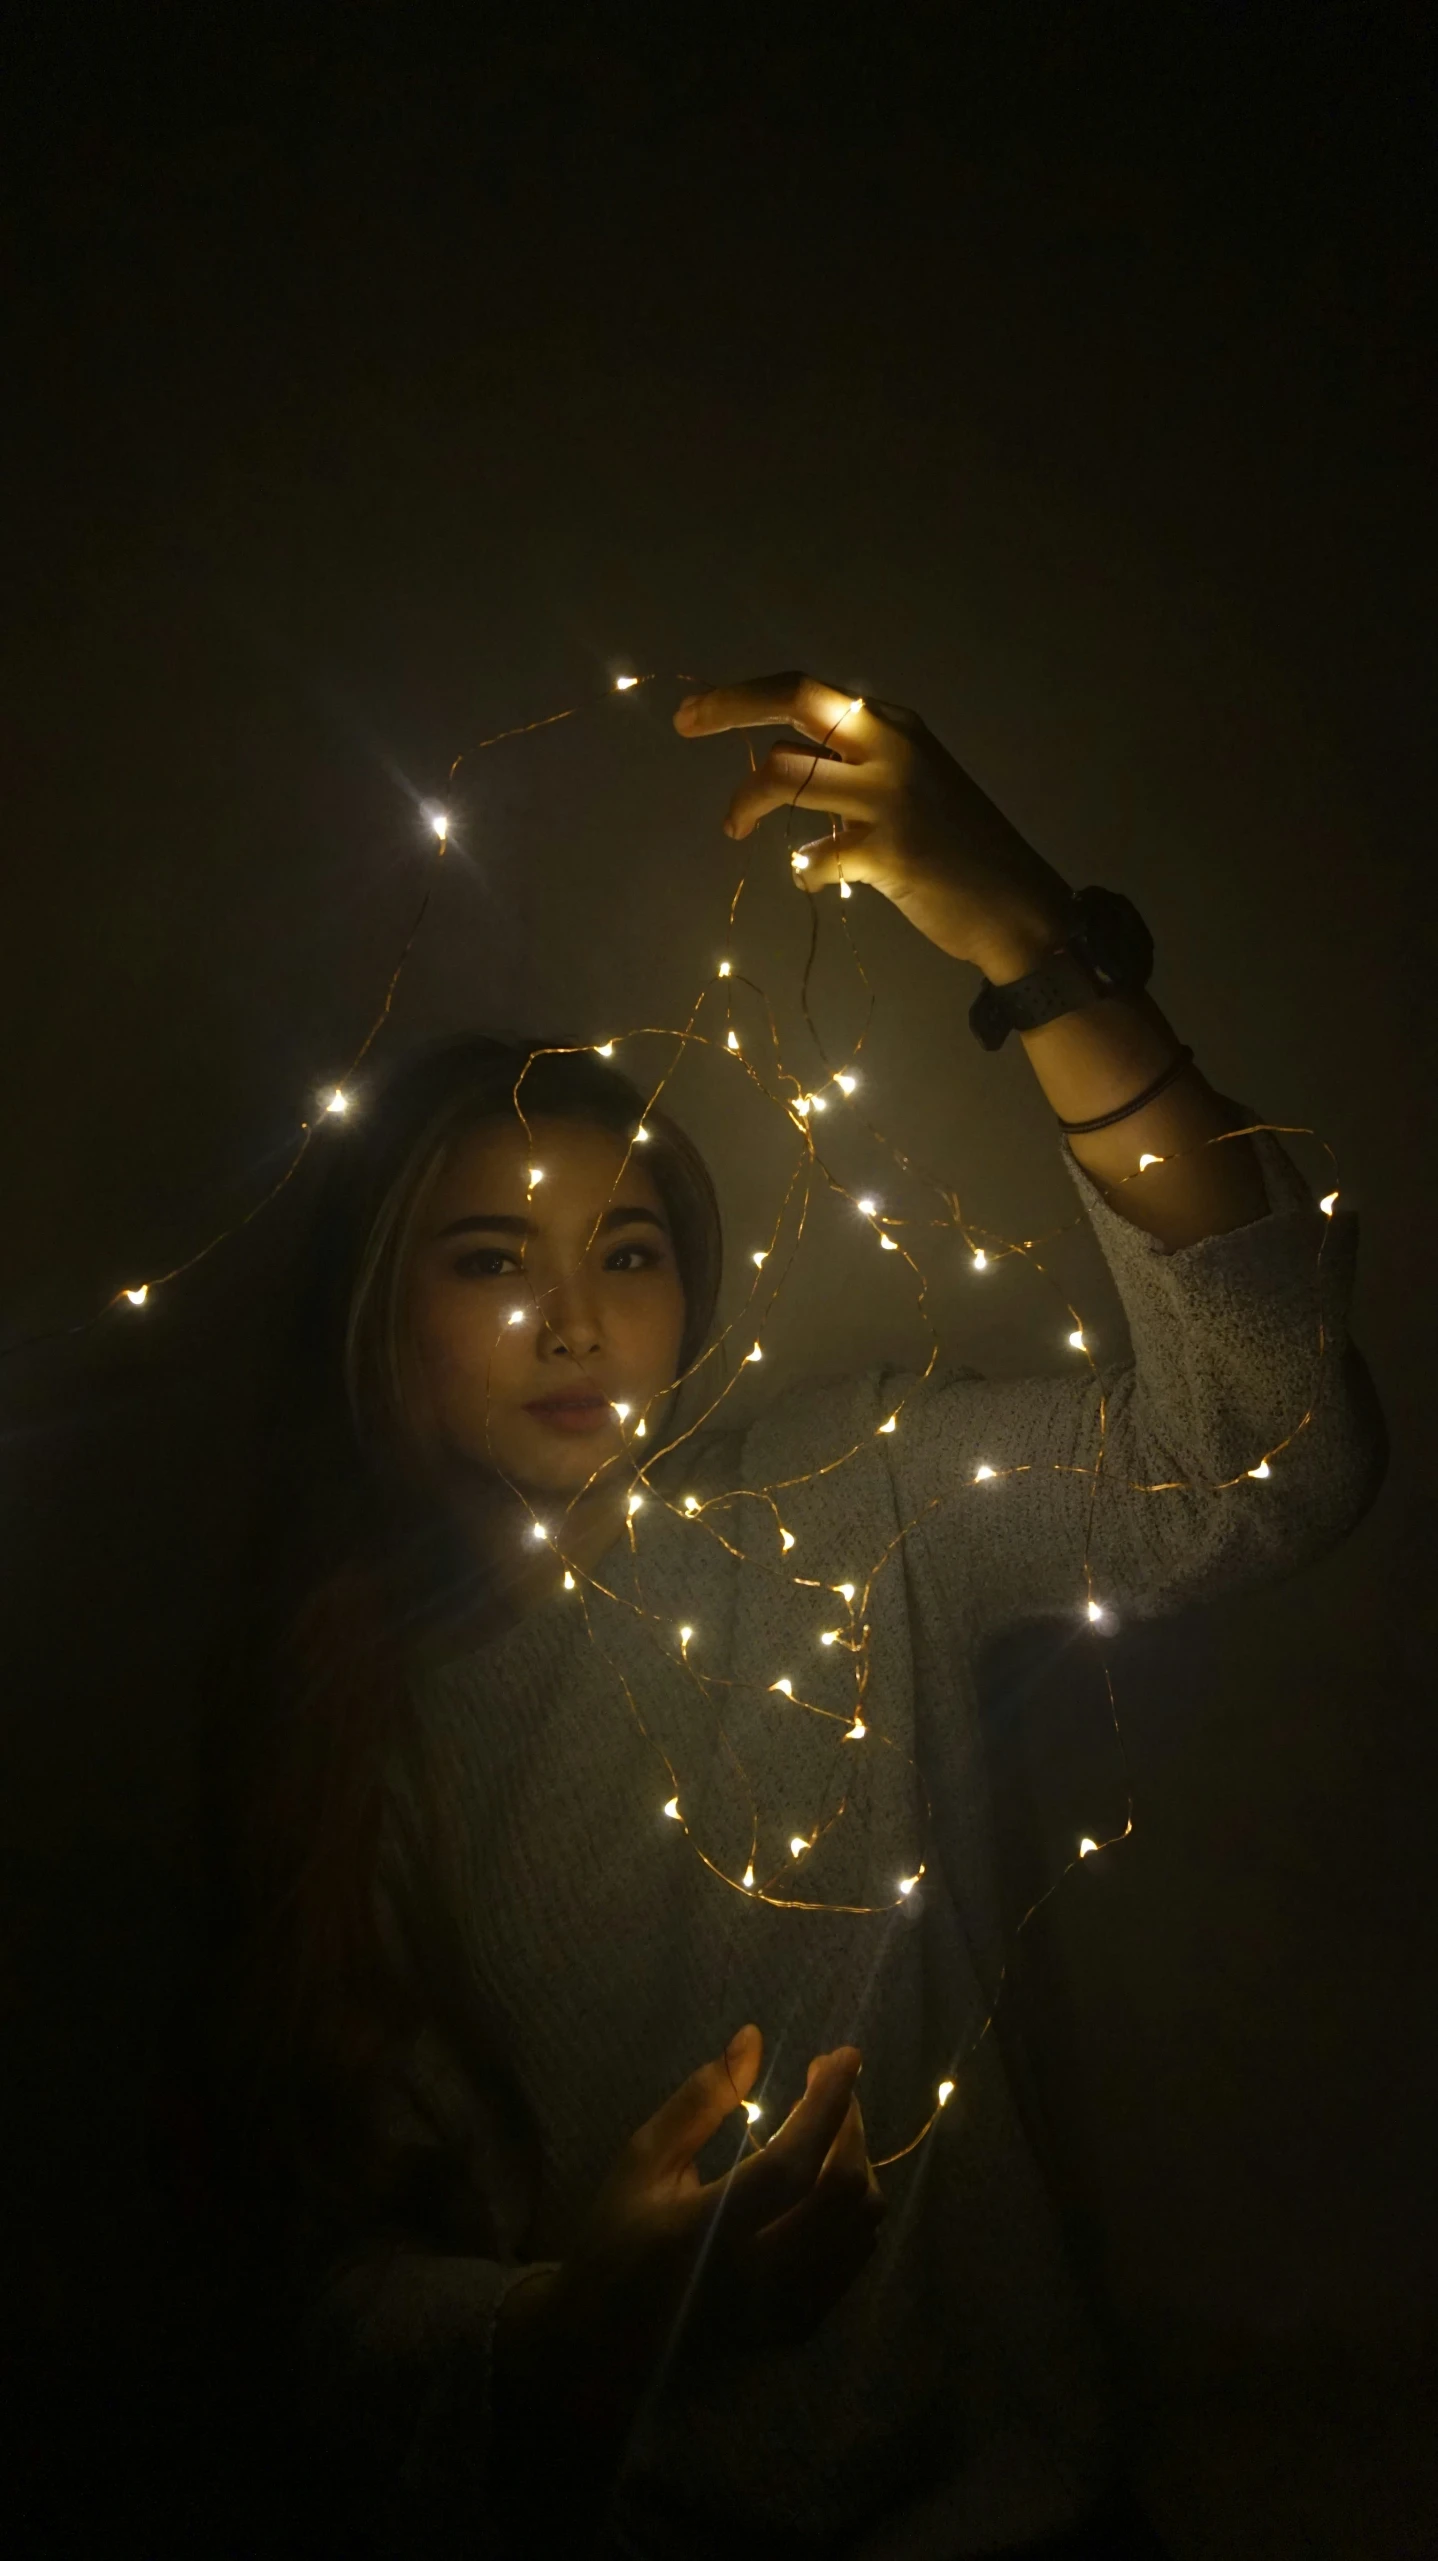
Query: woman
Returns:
{"type": "Point", "coordinates": [476, 2024]}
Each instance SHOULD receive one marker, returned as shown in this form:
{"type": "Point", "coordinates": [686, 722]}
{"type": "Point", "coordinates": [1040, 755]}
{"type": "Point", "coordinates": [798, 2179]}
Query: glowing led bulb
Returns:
{"type": "Point", "coordinates": [891, 1425]}
{"type": "Point", "coordinates": [733, 1041]}
{"type": "Point", "coordinates": [641, 1429]}
{"type": "Point", "coordinates": [1076, 1339]}
{"type": "Point", "coordinates": [749, 1877]}
{"type": "Point", "coordinates": [1262, 1469]}
{"type": "Point", "coordinates": [785, 1685]}
{"type": "Point", "coordinates": [830, 1636]}
{"type": "Point", "coordinates": [1085, 1846]}
{"type": "Point", "coordinates": [538, 1530]}
{"type": "Point", "coordinates": [945, 2093]}
{"type": "Point", "coordinates": [625, 684]}
{"type": "Point", "coordinates": [1095, 1609]}
{"type": "Point", "coordinates": [605, 1049]}
{"type": "Point", "coordinates": [799, 861]}
{"type": "Point", "coordinates": [691, 1502]}
{"type": "Point", "coordinates": [797, 1845]}
{"type": "Point", "coordinates": [672, 1809]}
{"type": "Point", "coordinates": [753, 2110]}
{"type": "Point", "coordinates": [1326, 1204]}
{"type": "Point", "coordinates": [642, 1135]}
{"type": "Point", "coordinates": [338, 1102]}
{"type": "Point", "coordinates": [758, 1260]}
{"type": "Point", "coordinates": [907, 1884]}
{"type": "Point", "coordinates": [535, 1176]}
{"type": "Point", "coordinates": [1148, 1160]}
{"type": "Point", "coordinates": [866, 1208]}
{"type": "Point", "coordinates": [726, 969]}
{"type": "Point", "coordinates": [982, 1471]}
{"type": "Point", "coordinates": [844, 890]}
{"type": "Point", "coordinates": [137, 1297]}
{"type": "Point", "coordinates": [622, 1411]}
{"type": "Point", "coordinates": [801, 1105]}
{"type": "Point", "coordinates": [636, 1504]}
{"type": "Point", "coordinates": [817, 1103]}
{"type": "Point", "coordinates": [857, 1731]}
{"type": "Point", "coordinates": [438, 823]}
{"type": "Point", "coordinates": [856, 705]}
{"type": "Point", "coordinates": [887, 1245]}
{"type": "Point", "coordinates": [516, 1316]}
{"type": "Point", "coordinates": [755, 1355]}
{"type": "Point", "coordinates": [569, 1582]}
{"type": "Point", "coordinates": [845, 1591]}
{"type": "Point", "coordinates": [686, 1635]}
{"type": "Point", "coordinates": [846, 1084]}
{"type": "Point", "coordinates": [981, 1261]}
{"type": "Point", "coordinates": [786, 1539]}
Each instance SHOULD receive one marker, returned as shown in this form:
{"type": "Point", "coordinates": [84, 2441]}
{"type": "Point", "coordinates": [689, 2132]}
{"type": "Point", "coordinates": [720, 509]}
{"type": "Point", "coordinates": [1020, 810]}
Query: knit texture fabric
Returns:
{"type": "Point", "coordinates": [957, 2399]}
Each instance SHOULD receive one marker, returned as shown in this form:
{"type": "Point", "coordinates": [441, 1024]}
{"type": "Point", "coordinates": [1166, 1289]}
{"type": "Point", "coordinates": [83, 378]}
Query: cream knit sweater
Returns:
{"type": "Point", "coordinates": [957, 2399]}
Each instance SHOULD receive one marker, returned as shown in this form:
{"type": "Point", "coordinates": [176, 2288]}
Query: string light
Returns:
{"type": "Point", "coordinates": [622, 1411]}
{"type": "Point", "coordinates": [753, 2110]}
{"type": "Point", "coordinates": [801, 1106]}
{"type": "Point", "coordinates": [640, 1429]}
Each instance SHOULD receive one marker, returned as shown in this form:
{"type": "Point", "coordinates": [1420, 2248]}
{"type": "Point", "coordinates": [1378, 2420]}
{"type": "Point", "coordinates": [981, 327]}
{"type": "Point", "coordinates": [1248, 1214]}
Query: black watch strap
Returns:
{"type": "Point", "coordinates": [1059, 985]}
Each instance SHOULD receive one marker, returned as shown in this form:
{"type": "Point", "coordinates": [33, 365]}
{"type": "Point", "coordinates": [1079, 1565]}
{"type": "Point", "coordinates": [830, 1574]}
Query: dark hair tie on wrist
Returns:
{"type": "Point", "coordinates": [1080, 1128]}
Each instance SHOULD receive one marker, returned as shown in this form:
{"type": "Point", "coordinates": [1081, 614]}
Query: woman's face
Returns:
{"type": "Point", "coordinates": [533, 1311]}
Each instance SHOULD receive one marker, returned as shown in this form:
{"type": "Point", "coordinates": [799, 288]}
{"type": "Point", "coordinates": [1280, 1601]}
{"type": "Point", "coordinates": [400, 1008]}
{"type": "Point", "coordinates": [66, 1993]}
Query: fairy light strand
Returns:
{"type": "Point", "coordinates": [801, 1105]}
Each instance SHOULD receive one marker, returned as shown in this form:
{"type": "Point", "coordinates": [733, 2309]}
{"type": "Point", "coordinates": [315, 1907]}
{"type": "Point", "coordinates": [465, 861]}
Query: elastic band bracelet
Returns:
{"type": "Point", "coordinates": [1081, 1128]}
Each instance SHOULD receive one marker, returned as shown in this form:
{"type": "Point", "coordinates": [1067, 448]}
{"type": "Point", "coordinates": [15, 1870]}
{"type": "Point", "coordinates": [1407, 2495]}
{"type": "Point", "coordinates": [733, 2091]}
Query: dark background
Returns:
{"type": "Point", "coordinates": [377, 380]}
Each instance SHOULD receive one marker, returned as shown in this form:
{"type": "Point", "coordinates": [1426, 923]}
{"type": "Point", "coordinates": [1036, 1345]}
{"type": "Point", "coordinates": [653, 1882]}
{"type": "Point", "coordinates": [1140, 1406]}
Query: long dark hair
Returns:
{"type": "Point", "coordinates": [314, 1990]}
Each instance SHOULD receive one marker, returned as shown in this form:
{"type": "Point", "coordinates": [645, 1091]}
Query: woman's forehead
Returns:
{"type": "Point", "coordinates": [573, 1159]}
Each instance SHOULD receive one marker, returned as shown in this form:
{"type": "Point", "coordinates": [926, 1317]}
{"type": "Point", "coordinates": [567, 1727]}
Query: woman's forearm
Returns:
{"type": "Point", "coordinates": [1092, 1060]}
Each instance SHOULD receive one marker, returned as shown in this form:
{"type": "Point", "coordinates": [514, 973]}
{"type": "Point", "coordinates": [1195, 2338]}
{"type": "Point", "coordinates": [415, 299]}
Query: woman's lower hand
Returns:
{"type": "Point", "coordinates": [669, 2264]}
{"type": "Point", "coordinates": [907, 820]}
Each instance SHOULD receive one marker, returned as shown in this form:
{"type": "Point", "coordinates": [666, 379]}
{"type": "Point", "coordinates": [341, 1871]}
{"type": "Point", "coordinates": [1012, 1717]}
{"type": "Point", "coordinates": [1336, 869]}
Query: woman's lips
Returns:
{"type": "Point", "coordinates": [574, 1414]}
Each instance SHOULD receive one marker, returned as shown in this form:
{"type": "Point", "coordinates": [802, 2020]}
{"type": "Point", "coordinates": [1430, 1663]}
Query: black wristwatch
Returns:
{"type": "Point", "coordinates": [1105, 949]}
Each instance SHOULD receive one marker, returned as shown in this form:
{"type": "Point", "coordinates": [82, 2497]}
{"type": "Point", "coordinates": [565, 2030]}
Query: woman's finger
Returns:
{"type": "Point", "coordinates": [822, 712]}
{"type": "Point", "coordinates": [771, 2181]}
{"type": "Point", "coordinates": [834, 862]}
{"type": "Point", "coordinates": [791, 778]}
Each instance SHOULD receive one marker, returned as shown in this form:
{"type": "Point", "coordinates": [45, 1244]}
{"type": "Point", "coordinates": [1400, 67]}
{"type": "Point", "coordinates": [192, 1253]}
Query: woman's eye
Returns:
{"type": "Point", "coordinates": [487, 1262]}
{"type": "Point", "coordinates": [632, 1258]}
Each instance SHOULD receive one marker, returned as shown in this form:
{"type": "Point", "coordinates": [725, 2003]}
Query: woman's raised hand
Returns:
{"type": "Point", "coordinates": [906, 819]}
{"type": "Point", "coordinates": [753, 2259]}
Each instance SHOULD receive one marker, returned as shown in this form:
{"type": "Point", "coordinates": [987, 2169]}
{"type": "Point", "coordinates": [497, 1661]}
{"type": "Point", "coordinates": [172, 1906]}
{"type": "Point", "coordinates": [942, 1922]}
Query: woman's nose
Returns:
{"type": "Point", "coordinates": [569, 1317]}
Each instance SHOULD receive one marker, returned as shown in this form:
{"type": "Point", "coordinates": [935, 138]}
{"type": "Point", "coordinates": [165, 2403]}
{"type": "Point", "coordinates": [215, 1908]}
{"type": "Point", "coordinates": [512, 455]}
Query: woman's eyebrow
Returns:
{"type": "Point", "coordinates": [499, 1223]}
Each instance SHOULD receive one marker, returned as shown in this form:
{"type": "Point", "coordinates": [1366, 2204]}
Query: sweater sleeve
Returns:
{"type": "Point", "coordinates": [392, 2393]}
{"type": "Point", "coordinates": [1225, 1364]}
